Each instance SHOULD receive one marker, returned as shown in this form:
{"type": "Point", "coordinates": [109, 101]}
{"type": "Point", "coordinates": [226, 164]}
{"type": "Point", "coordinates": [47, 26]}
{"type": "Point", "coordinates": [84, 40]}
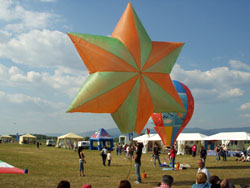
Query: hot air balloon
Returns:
{"type": "Point", "coordinates": [170, 125]}
{"type": "Point", "coordinates": [126, 72]}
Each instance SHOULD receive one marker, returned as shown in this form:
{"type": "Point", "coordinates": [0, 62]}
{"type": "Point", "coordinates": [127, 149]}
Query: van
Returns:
{"type": "Point", "coordinates": [50, 142]}
{"type": "Point", "coordinates": [84, 144]}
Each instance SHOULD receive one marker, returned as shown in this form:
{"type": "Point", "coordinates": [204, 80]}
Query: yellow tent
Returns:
{"type": "Point", "coordinates": [5, 138]}
{"type": "Point", "coordinates": [67, 140]}
{"type": "Point", "coordinates": [27, 139]}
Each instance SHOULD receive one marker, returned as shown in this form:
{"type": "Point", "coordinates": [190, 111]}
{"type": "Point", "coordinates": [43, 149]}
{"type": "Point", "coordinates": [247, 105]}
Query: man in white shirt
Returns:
{"type": "Point", "coordinates": [202, 168]}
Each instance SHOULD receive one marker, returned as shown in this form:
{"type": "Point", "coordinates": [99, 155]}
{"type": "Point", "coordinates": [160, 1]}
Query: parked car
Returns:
{"type": "Point", "coordinates": [84, 144]}
{"type": "Point", "coordinates": [50, 142]}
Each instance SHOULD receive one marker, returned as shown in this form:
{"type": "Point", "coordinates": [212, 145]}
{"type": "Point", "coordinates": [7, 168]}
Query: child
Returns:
{"type": "Point", "coordinates": [109, 157]}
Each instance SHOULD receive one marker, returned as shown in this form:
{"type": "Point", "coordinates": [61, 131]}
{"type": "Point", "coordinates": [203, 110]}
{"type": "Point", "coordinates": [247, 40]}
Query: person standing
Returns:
{"type": "Point", "coordinates": [194, 149]}
{"type": "Point", "coordinates": [203, 154]}
{"type": "Point", "coordinates": [217, 151]}
{"type": "Point", "coordinates": [81, 161]}
{"type": "Point", "coordinates": [172, 155]}
{"type": "Point", "coordinates": [202, 168]}
{"type": "Point", "coordinates": [224, 152]}
{"type": "Point", "coordinates": [109, 157]}
{"type": "Point", "coordinates": [104, 152]}
{"type": "Point", "coordinates": [117, 148]}
{"type": "Point", "coordinates": [138, 162]}
{"type": "Point", "coordinates": [37, 144]}
{"type": "Point", "coordinates": [156, 153]}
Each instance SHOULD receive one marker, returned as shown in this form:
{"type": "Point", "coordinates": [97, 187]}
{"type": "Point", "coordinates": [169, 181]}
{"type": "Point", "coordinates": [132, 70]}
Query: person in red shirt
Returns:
{"type": "Point", "coordinates": [194, 149]}
{"type": "Point", "coordinates": [172, 155]}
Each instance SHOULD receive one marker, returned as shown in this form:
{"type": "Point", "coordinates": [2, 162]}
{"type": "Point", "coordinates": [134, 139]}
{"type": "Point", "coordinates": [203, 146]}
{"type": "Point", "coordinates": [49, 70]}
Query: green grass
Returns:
{"type": "Point", "coordinates": [48, 165]}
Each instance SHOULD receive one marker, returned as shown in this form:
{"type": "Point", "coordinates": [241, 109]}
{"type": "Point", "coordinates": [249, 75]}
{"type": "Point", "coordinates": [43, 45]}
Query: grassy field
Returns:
{"type": "Point", "coordinates": [48, 165]}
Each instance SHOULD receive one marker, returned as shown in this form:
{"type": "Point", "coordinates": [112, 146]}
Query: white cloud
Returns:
{"type": "Point", "coordinates": [245, 115]}
{"type": "Point", "coordinates": [219, 83]}
{"type": "Point", "coordinates": [42, 49]}
{"type": "Point", "coordinates": [245, 106]}
{"type": "Point", "coordinates": [4, 36]}
{"type": "Point", "coordinates": [63, 80]}
{"type": "Point", "coordinates": [20, 19]}
{"type": "Point", "coordinates": [236, 92]}
{"type": "Point", "coordinates": [20, 98]}
{"type": "Point", "coordinates": [239, 65]}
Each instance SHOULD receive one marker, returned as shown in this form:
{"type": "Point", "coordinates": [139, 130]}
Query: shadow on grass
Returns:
{"type": "Point", "coordinates": [229, 167]}
{"type": "Point", "coordinates": [240, 181]}
{"type": "Point", "coordinates": [187, 183]}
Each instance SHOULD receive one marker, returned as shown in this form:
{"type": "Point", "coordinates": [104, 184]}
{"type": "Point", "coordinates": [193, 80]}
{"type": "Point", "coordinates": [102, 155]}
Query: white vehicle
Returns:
{"type": "Point", "coordinates": [50, 142]}
{"type": "Point", "coordinates": [84, 144]}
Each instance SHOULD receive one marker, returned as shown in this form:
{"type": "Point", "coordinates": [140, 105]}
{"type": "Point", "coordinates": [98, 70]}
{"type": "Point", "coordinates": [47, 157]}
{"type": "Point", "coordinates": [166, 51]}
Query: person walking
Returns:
{"type": "Point", "coordinates": [104, 152]}
{"type": "Point", "coordinates": [156, 153]}
{"type": "Point", "coordinates": [109, 157]}
{"type": "Point", "coordinates": [138, 162]}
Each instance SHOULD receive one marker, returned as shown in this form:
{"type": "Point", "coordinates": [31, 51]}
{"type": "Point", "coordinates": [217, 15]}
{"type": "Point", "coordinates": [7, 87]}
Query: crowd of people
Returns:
{"type": "Point", "coordinates": [203, 178]}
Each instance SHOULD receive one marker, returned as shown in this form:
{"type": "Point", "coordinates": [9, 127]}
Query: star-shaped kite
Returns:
{"type": "Point", "coordinates": [129, 74]}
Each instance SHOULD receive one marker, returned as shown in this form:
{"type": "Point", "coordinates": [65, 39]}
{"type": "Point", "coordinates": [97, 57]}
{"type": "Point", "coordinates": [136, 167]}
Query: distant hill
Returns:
{"type": "Point", "coordinates": [115, 132]}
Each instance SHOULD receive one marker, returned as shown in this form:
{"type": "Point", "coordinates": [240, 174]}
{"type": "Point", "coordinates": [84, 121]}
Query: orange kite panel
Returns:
{"type": "Point", "coordinates": [109, 101]}
{"type": "Point", "coordinates": [98, 60]}
{"type": "Point", "coordinates": [145, 107]}
{"type": "Point", "coordinates": [159, 51]}
{"type": "Point", "coordinates": [126, 32]}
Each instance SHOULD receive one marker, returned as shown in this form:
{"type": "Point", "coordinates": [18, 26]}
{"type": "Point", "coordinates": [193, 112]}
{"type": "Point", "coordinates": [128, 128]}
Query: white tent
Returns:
{"type": "Point", "coordinates": [191, 137]}
{"type": "Point", "coordinates": [185, 140]}
{"type": "Point", "coordinates": [234, 140]}
{"type": "Point", "coordinates": [67, 140]}
{"type": "Point", "coordinates": [148, 141]}
{"type": "Point", "coordinates": [27, 139]}
{"type": "Point", "coordinates": [5, 138]}
{"type": "Point", "coordinates": [230, 136]}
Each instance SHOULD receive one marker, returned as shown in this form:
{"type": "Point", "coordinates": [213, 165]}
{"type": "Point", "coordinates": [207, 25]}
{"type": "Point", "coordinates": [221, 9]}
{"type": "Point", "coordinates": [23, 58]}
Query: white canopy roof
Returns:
{"type": "Point", "coordinates": [230, 136]}
{"type": "Point", "coordinates": [191, 137]}
{"type": "Point", "coordinates": [70, 135]}
{"type": "Point", "coordinates": [28, 136]}
{"type": "Point", "coordinates": [146, 137]}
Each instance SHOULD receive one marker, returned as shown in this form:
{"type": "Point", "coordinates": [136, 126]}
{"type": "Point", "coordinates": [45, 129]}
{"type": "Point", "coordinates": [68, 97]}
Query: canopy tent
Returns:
{"type": "Point", "coordinates": [27, 139]}
{"type": "Point", "coordinates": [233, 140]}
{"type": "Point", "coordinates": [186, 140]}
{"type": "Point", "coordinates": [100, 139]}
{"type": "Point", "coordinates": [6, 168]}
{"type": "Point", "coordinates": [67, 140]}
{"type": "Point", "coordinates": [5, 138]}
{"type": "Point", "coordinates": [230, 136]}
{"type": "Point", "coordinates": [191, 137]}
{"type": "Point", "coordinates": [148, 141]}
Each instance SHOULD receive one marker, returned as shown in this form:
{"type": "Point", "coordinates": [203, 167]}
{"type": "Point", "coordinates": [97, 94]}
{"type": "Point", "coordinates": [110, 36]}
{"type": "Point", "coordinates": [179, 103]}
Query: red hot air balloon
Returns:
{"type": "Point", "coordinates": [170, 125]}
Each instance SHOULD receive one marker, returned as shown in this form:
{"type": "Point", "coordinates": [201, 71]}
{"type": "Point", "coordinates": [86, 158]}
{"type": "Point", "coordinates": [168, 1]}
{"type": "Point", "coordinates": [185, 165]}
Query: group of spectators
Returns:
{"type": "Point", "coordinates": [221, 151]}
{"type": "Point", "coordinates": [204, 180]}
{"type": "Point", "coordinates": [127, 149]}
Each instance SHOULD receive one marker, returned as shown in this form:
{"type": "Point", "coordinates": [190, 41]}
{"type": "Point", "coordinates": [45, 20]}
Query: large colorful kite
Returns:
{"type": "Point", "coordinates": [6, 168]}
{"type": "Point", "coordinates": [170, 125]}
{"type": "Point", "coordinates": [129, 74]}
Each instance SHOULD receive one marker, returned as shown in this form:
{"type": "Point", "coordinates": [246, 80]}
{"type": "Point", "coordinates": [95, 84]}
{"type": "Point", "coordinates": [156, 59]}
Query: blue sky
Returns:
{"type": "Point", "coordinates": [41, 72]}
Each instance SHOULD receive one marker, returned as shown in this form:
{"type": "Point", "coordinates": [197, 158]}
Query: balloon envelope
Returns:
{"type": "Point", "coordinates": [170, 125]}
